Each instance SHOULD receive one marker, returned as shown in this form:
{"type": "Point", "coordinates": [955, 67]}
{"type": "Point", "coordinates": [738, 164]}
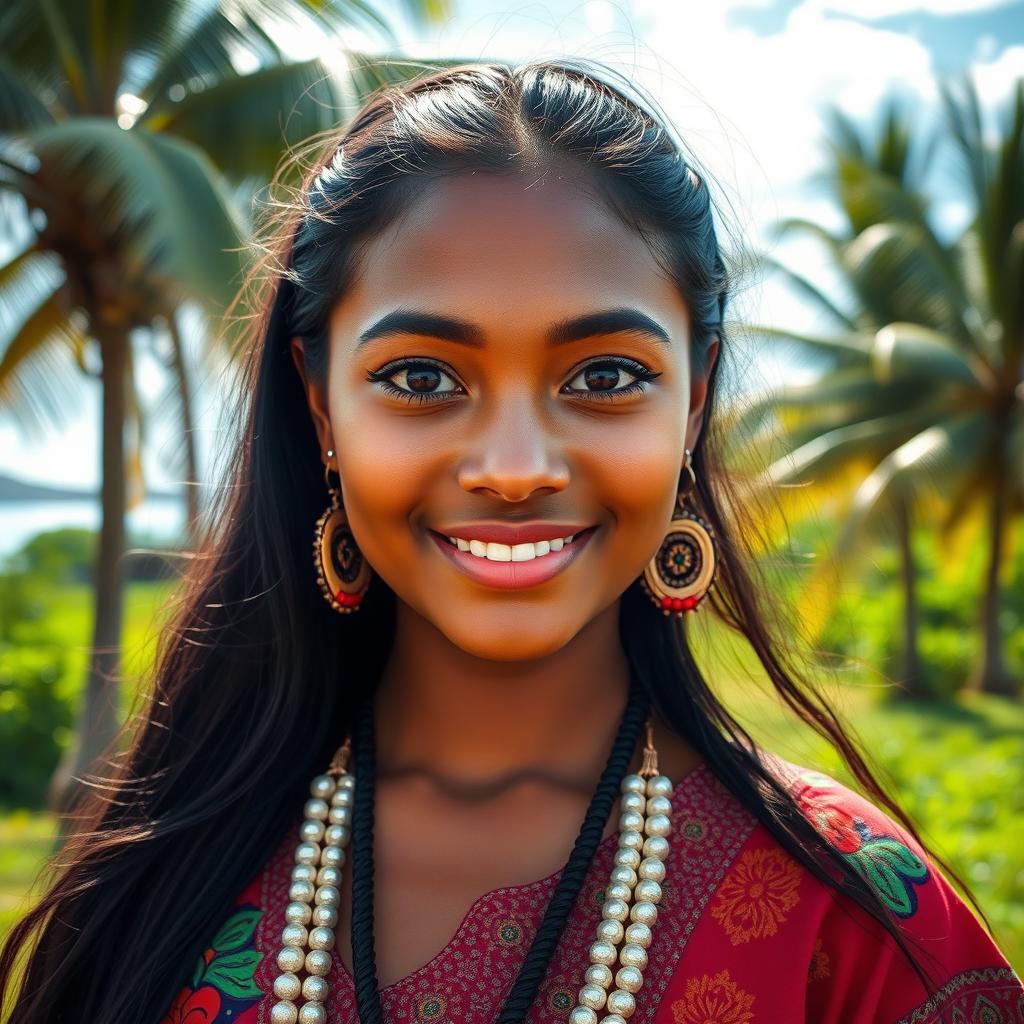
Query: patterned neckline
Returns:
{"type": "Point", "coordinates": [604, 850]}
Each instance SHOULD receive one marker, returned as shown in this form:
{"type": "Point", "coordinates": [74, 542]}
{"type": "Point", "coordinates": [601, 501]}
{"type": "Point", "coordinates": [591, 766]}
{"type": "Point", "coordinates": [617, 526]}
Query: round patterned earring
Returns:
{"type": "Point", "coordinates": [681, 573]}
{"type": "Point", "coordinates": [341, 571]}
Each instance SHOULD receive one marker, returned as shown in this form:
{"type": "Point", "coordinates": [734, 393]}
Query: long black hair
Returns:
{"type": "Point", "coordinates": [257, 678]}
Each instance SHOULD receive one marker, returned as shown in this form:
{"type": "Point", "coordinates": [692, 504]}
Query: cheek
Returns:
{"type": "Point", "coordinates": [388, 465]}
{"type": "Point", "coordinates": [635, 473]}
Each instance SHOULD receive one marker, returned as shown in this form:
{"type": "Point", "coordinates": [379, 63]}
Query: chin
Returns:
{"type": "Point", "coordinates": [508, 637]}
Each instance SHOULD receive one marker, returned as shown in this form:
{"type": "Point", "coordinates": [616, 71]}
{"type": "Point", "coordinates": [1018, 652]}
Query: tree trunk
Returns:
{"type": "Point", "coordinates": [992, 675]}
{"type": "Point", "coordinates": [99, 712]}
{"type": "Point", "coordinates": [913, 682]}
{"type": "Point", "coordinates": [192, 494]}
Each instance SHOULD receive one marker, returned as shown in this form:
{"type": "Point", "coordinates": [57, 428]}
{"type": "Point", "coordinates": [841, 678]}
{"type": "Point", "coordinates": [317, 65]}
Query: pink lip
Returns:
{"type": "Point", "coordinates": [514, 575]}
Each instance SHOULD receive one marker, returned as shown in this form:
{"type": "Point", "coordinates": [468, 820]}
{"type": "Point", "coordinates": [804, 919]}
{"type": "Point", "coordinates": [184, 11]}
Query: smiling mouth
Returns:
{"type": "Point", "coordinates": [524, 566]}
{"type": "Point", "coordinates": [528, 552]}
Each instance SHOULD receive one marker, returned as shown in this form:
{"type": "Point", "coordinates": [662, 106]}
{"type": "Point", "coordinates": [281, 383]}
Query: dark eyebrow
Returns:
{"type": "Point", "coordinates": [436, 325]}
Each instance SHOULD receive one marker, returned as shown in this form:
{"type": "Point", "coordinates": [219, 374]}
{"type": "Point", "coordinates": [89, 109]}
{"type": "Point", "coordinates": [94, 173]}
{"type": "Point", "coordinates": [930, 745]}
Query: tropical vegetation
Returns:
{"type": "Point", "coordinates": [918, 416]}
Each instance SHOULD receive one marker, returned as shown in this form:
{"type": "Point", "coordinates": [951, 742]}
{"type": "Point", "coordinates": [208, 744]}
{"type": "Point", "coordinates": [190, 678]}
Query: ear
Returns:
{"type": "Point", "coordinates": [698, 397]}
{"type": "Point", "coordinates": [316, 398]}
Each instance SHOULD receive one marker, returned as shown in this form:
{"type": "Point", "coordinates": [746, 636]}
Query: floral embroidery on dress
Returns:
{"type": "Point", "coordinates": [223, 975]}
{"type": "Point", "coordinates": [818, 967]}
{"type": "Point", "coordinates": [888, 865]}
{"type": "Point", "coordinates": [713, 998]}
{"type": "Point", "coordinates": [757, 895]}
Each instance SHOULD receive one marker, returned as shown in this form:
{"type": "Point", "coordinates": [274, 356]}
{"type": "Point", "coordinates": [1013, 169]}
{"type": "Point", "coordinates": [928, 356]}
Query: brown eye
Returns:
{"type": "Point", "coordinates": [426, 378]}
{"type": "Point", "coordinates": [422, 380]}
{"type": "Point", "coordinates": [604, 379]}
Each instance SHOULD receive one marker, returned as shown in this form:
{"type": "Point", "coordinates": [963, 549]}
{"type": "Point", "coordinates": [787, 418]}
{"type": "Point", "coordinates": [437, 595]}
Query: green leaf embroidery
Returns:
{"type": "Point", "coordinates": [236, 931]}
{"type": "Point", "coordinates": [886, 883]}
{"type": "Point", "coordinates": [232, 973]}
{"type": "Point", "coordinates": [901, 857]}
{"type": "Point", "coordinates": [197, 974]}
{"type": "Point", "coordinates": [892, 869]}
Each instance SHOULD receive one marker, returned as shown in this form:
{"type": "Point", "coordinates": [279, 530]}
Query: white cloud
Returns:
{"type": "Point", "coordinates": [996, 79]}
{"type": "Point", "coordinates": [871, 9]}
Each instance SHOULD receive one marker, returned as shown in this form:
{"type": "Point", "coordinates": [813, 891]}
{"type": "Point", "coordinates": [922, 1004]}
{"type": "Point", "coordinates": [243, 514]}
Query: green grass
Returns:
{"type": "Point", "coordinates": [955, 766]}
{"type": "Point", "coordinates": [70, 621]}
{"type": "Point", "coordinates": [26, 839]}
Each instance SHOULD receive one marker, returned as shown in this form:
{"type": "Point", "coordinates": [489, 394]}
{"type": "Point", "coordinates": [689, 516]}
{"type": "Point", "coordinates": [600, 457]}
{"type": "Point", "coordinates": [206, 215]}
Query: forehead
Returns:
{"type": "Point", "coordinates": [508, 250]}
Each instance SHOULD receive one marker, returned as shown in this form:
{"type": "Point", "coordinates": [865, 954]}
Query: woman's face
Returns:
{"type": "Point", "coordinates": [499, 407]}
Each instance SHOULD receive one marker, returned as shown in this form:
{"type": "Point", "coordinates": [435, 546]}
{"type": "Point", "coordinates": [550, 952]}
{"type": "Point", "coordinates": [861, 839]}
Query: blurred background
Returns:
{"type": "Point", "coordinates": [868, 162]}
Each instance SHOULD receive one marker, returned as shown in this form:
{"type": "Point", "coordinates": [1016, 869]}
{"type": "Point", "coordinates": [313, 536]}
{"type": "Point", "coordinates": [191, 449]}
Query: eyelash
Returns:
{"type": "Point", "coordinates": [620, 362]}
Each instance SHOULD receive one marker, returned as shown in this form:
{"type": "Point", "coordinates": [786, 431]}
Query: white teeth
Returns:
{"type": "Point", "coordinates": [511, 552]}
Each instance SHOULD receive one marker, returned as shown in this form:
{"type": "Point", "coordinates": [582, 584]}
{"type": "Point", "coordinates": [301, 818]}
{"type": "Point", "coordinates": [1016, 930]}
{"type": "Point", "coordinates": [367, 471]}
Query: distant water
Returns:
{"type": "Point", "coordinates": [158, 521]}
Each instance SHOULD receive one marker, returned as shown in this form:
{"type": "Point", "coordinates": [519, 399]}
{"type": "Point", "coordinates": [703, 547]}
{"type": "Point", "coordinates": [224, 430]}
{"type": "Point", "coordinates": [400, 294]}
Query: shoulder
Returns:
{"type": "Point", "coordinates": [970, 978]}
{"type": "Point", "coordinates": [775, 942]}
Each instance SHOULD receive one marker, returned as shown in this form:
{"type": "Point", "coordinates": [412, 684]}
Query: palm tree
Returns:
{"type": "Point", "coordinates": [922, 407]}
{"type": "Point", "coordinates": [123, 125]}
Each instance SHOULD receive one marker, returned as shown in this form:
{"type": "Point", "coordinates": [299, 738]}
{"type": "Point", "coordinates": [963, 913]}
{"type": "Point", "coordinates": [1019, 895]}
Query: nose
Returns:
{"type": "Point", "coordinates": [515, 455]}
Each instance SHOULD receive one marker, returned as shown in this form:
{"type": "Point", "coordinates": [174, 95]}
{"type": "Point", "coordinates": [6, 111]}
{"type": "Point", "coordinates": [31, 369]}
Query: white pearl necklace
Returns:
{"type": "Point", "coordinates": [633, 893]}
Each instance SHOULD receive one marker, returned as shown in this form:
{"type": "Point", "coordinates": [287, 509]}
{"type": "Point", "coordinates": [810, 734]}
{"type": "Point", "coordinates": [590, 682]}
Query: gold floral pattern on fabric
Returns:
{"type": "Point", "coordinates": [431, 1008]}
{"type": "Point", "coordinates": [693, 830]}
{"type": "Point", "coordinates": [818, 967]}
{"type": "Point", "coordinates": [508, 931]}
{"type": "Point", "coordinates": [557, 994]}
{"type": "Point", "coordinates": [713, 998]}
{"type": "Point", "coordinates": [757, 895]}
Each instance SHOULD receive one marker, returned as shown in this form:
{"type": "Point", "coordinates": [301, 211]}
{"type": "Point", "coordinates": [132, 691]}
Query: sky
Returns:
{"type": "Point", "coordinates": [743, 84]}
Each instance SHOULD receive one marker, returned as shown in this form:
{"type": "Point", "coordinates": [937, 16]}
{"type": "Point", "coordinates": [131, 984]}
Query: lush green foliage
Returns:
{"type": "Point", "coordinates": [865, 625]}
{"type": "Point", "coordinates": [45, 625]}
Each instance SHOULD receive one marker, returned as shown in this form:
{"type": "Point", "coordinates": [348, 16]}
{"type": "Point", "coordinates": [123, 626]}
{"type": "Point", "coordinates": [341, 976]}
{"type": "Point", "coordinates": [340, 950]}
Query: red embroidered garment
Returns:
{"type": "Point", "coordinates": [745, 935]}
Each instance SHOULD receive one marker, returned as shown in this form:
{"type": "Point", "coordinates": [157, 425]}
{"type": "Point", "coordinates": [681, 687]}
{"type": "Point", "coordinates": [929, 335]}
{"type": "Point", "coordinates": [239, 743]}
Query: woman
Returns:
{"type": "Point", "coordinates": [484, 385]}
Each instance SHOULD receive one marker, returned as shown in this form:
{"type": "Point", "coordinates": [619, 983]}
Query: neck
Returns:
{"type": "Point", "coordinates": [478, 727]}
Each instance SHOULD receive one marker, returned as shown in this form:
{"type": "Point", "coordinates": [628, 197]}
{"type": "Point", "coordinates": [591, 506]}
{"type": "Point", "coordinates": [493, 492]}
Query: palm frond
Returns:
{"type": "Point", "coordinates": [833, 243]}
{"type": "Point", "coordinates": [20, 106]}
{"type": "Point", "coordinates": [897, 275]}
{"type": "Point", "coordinates": [38, 374]}
{"type": "Point", "coordinates": [827, 451]}
{"type": "Point", "coordinates": [913, 471]}
{"type": "Point", "coordinates": [245, 122]}
{"type": "Point", "coordinates": [809, 291]}
{"type": "Point", "coordinates": [157, 202]}
{"type": "Point", "coordinates": [848, 349]}
{"type": "Point", "coordinates": [25, 280]}
{"type": "Point", "coordinates": [203, 54]}
{"type": "Point", "coordinates": [913, 350]}
{"type": "Point", "coordinates": [39, 39]}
